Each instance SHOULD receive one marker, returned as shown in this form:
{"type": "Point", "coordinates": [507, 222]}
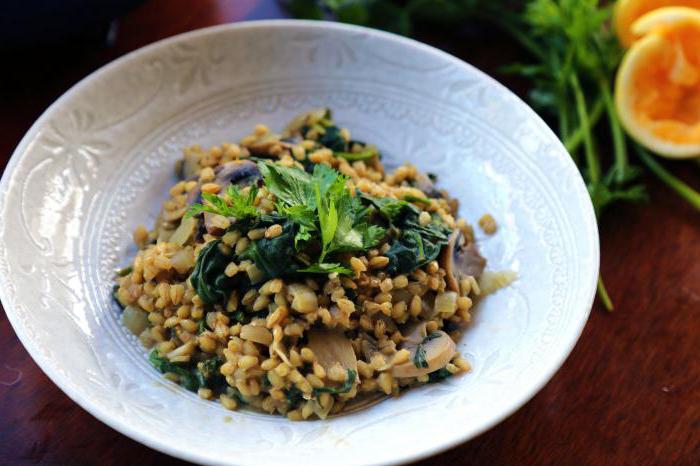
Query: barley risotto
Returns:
{"type": "Point", "coordinates": [291, 274]}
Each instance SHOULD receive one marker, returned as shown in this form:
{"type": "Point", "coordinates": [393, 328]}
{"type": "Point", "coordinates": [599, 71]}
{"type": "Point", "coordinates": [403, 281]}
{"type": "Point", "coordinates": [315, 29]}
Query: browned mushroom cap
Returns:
{"type": "Point", "coordinates": [439, 350]}
{"type": "Point", "coordinates": [460, 259]}
{"type": "Point", "coordinates": [331, 346]}
{"type": "Point", "coordinates": [425, 184]}
{"type": "Point", "coordinates": [238, 172]}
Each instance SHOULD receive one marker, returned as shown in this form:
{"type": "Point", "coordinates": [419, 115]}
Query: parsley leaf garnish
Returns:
{"type": "Point", "coordinates": [240, 206]}
{"type": "Point", "coordinates": [324, 208]}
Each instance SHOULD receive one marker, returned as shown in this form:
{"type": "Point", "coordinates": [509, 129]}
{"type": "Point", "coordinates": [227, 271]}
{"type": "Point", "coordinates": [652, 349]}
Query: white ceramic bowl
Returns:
{"type": "Point", "coordinates": [99, 161]}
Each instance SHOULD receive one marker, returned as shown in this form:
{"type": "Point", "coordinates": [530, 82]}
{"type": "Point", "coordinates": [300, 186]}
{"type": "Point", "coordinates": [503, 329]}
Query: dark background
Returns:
{"type": "Point", "coordinates": [628, 394]}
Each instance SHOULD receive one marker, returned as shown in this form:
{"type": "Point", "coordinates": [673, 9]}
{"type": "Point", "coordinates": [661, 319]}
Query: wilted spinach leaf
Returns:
{"type": "Point", "coordinates": [332, 139]}
{"type": "Point", "coordinates": [187, 377]}
{"type": "Point", "coordinates": [208, 278]}
{"type": "Point", "coordinates": [208, 374]}
{"type": "Point", "coordinates": [438, 375]}
{"type": "Point", "coordinates": [274, 256]}
{"type": "Point", "coordinates": [294, 397]}
{"type": "Point", "coordinates": [416, 244]}
{"type": "Point", "coordinates": [391, 209]}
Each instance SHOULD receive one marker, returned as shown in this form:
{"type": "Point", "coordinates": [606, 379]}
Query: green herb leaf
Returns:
{"type": "Point", "coordinates": [323, 208]}
{"type": "Point", "coordinates": [236, 395]}
{"type": "Point", "coordinates": [371, 235]}
{"type": "Point", "coordinates": [410, 198]}
{"type": "Point", "coordinates": [346, 387]}
{"type": "Point", "coordinates": [419, 357]}
{"type": "Point", "coordinates": [332, 139]}
{"type": "Point", "coordinates": [208, 278]}
{"type": "Point", "coordinates": [390, 208]}
{"type": "Point", "coordinates": [290, 185]}
{"type": "Point", "coordinates": [294, 397]}
{"type": "Point", "coordinates": [275, 256]}
{"type": "Point", "coordinates": [417, 244]}
{"type": "Point", "coordinates": [439, 375]}
{"type": "Point", "coordinates": [326, 268]}
{"type": "Point", "coordinates": [208, 374]}
{"type": "Point", "coordinates": [240, 206]}
{"type": "Point", "coordinates": [186, 376]}
{"type": "Point", "coordinates": [327, 218]}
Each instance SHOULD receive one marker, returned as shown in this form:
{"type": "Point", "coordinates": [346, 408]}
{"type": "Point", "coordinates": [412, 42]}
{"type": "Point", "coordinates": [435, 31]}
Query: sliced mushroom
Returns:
{"type": "Point", "coordinates": [425, 184]}
{"type": "Point", "coordinates": [414, 334]}
{"type": "Point", "coordinates": [238, 172]}
{"type": "Point", "coordinates": [460, 259]}
{"type": "Point", "coordinates": [194, 196]}
{"type": "Point", "coordinates": [331, 346]}
{"type": "Point", "coordinates": [439, 350]}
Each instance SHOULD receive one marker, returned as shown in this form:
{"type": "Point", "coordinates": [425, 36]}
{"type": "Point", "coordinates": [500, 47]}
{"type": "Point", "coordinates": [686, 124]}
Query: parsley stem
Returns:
{"type": "Point", "coordinates": [564, 126]}
{"type": "Point", "coordinates": [591, 158]}
{"type": "Point", "coordinates": [618, 137]}
{"type": "Point", "coordinates": [682, 189]}
{"type": "Point", "coordinates": [508, 22]}
{"type": "Point", "coordinates": [604, 296]}
{"type": "Point", "coordinates": [574, 140]}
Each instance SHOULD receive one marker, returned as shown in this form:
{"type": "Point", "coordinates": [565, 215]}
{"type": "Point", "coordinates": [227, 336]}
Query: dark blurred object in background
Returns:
{"type": "Point", "coordinates": [33, 24]}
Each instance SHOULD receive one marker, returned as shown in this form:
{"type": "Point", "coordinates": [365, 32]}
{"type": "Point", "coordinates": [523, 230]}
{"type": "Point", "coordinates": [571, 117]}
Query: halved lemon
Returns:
{"type": "Point", "coordinates": [628, 11]}
{"type": "Point", "coordinates": [657, 90]}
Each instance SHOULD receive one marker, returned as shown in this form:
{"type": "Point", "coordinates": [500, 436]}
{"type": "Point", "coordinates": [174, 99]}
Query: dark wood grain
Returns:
{"type": "Point", "coordinates": [629, 393]}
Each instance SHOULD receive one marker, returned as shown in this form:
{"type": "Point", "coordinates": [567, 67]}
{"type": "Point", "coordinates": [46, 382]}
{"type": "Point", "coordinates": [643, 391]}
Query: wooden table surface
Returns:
{"type": "Point", "coordinates": [628, 394]}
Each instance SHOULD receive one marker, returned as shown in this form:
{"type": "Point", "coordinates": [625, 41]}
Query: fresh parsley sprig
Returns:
{"type": "Point", "coordinates": [323, 207]}
{"type": "Point", "coordinates": [239, 206]}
